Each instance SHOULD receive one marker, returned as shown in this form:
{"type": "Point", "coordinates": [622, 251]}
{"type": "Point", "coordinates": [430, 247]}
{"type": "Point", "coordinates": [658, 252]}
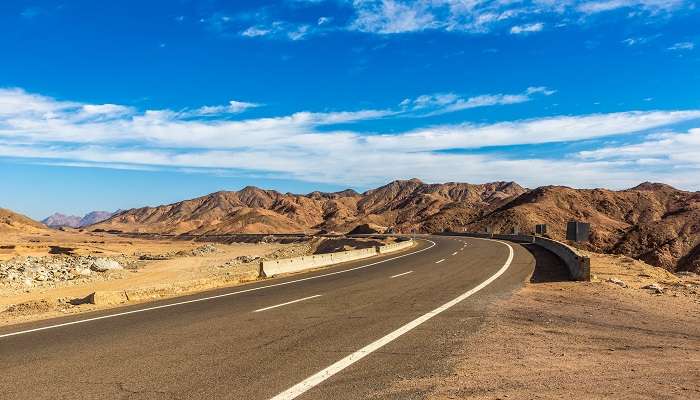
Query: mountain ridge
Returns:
{"type": "Point", "coordinates": [651, 221]}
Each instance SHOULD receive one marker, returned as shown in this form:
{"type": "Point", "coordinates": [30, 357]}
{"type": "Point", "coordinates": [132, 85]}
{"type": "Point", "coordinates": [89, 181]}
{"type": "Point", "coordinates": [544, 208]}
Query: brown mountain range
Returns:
{"type": "Point", "coordinates": [652, 222]}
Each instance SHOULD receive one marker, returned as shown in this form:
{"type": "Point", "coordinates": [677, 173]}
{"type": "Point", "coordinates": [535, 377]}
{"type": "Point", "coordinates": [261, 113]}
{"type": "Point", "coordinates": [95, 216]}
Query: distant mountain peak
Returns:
{"type": "Point", "coordinates": [58, 220]}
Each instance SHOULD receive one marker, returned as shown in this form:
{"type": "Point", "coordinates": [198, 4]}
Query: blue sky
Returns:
{"type": "Point", "coordinates": [107, 105]}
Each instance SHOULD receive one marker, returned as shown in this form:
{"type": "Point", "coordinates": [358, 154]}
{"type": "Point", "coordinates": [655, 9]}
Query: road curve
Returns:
{"type": "Point", "coordinates": [345, 332]}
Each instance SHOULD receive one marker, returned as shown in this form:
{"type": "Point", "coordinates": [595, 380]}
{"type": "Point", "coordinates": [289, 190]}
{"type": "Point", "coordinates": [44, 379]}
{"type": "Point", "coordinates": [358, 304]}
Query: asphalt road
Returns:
{"type": "Point", "coordinates": [260, 340]}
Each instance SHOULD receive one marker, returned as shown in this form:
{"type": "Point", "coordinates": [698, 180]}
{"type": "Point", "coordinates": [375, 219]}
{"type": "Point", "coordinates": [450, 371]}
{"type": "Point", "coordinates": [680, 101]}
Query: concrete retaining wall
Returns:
{"type": "Point", "coordinates": [579, 265]}
{"type": "Point", "coordinates": [297, 264]}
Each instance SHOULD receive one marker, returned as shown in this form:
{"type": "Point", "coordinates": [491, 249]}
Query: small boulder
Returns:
{"type": "Point", "coordinates": [104, 264]}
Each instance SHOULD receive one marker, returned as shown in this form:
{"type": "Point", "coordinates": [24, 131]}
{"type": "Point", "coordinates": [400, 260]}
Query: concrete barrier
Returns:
{"type": "Point", "coordinates": [395, 246]}
{"type": "Point", "coordinates": [579, 266]}
{"type": "Point", "coordinates": [297, 264]}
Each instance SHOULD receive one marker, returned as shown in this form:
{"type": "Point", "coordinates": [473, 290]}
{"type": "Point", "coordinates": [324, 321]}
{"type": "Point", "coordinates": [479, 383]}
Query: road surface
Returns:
{"type": "Point", "coordinates": [345, 332]}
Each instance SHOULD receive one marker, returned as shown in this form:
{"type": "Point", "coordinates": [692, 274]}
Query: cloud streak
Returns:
{"type": "Point", "coordinates": [310, 146]}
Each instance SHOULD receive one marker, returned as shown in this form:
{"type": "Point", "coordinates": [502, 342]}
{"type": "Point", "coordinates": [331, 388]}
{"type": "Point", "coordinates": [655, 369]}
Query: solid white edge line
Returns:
{"type": "Point", "coordinates": [326, 373]}
{"type": "Point", "coordinates": [401, 274]}
{"type": "Point", "coordinates": [43, 328]}
{"type": "Point", "coordinates": [454, 254]}
{"type": "Point", "coordinates": [439, 261]}
{"type": "Point", "coordinates": [287, 303]}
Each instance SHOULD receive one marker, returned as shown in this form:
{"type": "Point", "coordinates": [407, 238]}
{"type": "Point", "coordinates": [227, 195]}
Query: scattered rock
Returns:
{"type": "Point", "coordinates": [618, 282]}
{"type": "Point", "coordinates": [25, 272]}
{"type": "Point", "coordinates": [154, 257]}
{"type": "Point", "coordinates": [206, 249]}
{"type": "Point", "coordinates": [655, 288]}
{"type": "Point", "coordinates": [199, 251]}
{"type": "Point", "coordinates": [246, 259]}
{"type": "Point", "coordinates": [29, 307]}
{"type": "Point", "coordinates": [107, 297]}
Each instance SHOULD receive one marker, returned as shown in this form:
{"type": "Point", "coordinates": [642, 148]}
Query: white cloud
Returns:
{"type": "Point", "coordinates": [534, 131]}
{"type": "Point", "coordinates": [479, 16]}
{"type": "Point", "coordinates": [256, 31]}
{"type": "Point", "coordinates": [279, 30]}
{"type": "Point", "coordinates": [307, 146]}
{"type": "Point", "coordinates": [389, 16]}
{"type": "Point", "coordinates": [651, 6]}
{"type": "Point", "coordinates": [441, 103]}
{"type": "Point", "coordinates": [299, 32]}
{"type": "Point", "coordinates": [680, 46]}
{"type": "Point", "coordinates": [527, 28]}
{"type": "Point", "coordinates": [233, 107]}
{"type": "Point", "coordinates": [667, 149]}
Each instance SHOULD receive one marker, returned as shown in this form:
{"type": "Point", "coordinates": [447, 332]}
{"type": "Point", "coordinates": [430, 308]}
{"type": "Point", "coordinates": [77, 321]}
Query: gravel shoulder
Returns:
{"type": "Point", "coordinates": [598, 339]}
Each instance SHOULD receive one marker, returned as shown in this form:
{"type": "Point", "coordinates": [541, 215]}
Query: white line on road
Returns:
{"type": "Point", "coordinates": [289, 302]}
{"type": "Point", "coordinates": [43, 328]}
{"type": "Point", "coordinates": [454, 254]}
{"type": "Point", "coordinates": [314, 380]}
{"type": "Point", "coordinates": [439, 261]}
{"type": "Point", "coordinates": [402, 274]}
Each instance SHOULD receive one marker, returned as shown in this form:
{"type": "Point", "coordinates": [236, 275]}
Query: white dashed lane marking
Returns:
{"type": "Point", "coordinates": [287, 303]}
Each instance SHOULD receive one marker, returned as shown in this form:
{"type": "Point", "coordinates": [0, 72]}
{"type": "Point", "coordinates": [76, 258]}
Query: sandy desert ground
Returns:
{"type": "Point", "coordinates": [37, 283]}
{"type": "Point", "coordinates": [610, 338]}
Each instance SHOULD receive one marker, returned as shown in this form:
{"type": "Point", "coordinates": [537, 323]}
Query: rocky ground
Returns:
{"type": "Point", "coordinates": [632, 333]}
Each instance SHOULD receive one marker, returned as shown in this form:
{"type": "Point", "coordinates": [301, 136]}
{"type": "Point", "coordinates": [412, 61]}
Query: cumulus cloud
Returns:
{"type": "Point", "coordinates": [310, 146]}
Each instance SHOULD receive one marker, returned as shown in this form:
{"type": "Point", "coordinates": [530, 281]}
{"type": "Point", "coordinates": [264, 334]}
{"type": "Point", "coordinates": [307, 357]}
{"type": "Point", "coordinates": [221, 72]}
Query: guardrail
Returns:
{"type": "Point", "coordinates": [297, 264]}
{"type": "Point", "coordinates": [579, 265]}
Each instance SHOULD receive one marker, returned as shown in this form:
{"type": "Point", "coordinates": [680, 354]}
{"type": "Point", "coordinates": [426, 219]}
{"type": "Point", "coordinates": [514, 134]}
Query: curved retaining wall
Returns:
{"type": "Point", "coordinates": [297, 264]}
{"type": "Point", "coordinates": [579, 265]}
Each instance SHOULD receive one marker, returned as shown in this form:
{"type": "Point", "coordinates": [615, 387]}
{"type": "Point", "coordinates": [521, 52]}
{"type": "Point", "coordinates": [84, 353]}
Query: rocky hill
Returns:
{"type": "Point", "coordinates": [13, 222]}
{"type": "Point", "coordinates": [653, 222]}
